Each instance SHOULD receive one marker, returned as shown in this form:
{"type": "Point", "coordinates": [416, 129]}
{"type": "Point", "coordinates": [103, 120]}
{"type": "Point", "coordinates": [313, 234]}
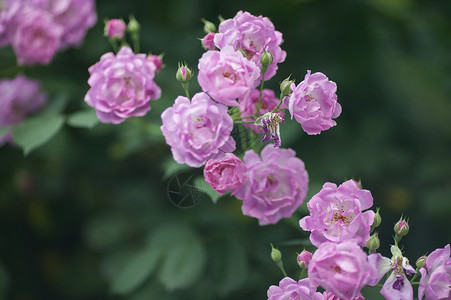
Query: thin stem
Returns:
{"type": "Point", "coordinates": [135, 38]}
{"type": "Point", "coordinates": [280, 102]}
{"type": "Point", "coordinates": [113, 44]}
{"type": "Point", "coordinates": [243, 122]}
{"type": "Point", "coordinates": [415, 276]}
{"type": "Point", "coordinates": [185, 86]}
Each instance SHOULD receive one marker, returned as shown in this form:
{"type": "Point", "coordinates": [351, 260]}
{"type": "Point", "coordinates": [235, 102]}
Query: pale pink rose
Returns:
{"type": "Point", "coordinates": [313, 103]}
{"type": "Point", "coordinates": [435, 282]}
{"type": "Point", "coordinates": [337, 214]}
{"type": "Point", "coordinates": [289, 289]}
{"type": "Point", "coordinates": [226, 75]}
{"type": "Point", "coordinates": [226, 174]}
{"type": "Point", "coordinates": [341, 269]}
{"type": "Point", "coordinates": [115, 28]}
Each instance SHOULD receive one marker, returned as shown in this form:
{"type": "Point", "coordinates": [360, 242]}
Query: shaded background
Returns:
{"type": "Point", "coordinates": [76, 211]}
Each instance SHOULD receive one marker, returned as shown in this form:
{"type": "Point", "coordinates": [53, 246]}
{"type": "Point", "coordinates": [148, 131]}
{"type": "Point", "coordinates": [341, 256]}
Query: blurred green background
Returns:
{"type": "Point", "coordinates": [77, 216]}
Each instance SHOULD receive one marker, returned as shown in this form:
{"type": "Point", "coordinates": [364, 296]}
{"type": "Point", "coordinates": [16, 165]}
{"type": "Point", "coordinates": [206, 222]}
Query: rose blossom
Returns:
{"type": "Point", "coordinates": [75, 17]}
{"type": "Point", "coordinates": [121, 86]}
{"type": "Point", "coordinates": [208, 41]}
{"type": "Point", "coordinates": [226, 75]}
{"type": "Point", "coordinates": [342, 269]}
{"type": "Point", "coordinates": [34, 35]}
{"type": "Point", "coordinates": [247, 106]}
{"type": "Point", "coordinates": [276, 186]}
{"type": "Point", "coordinates": [336, 214]}
{"type": "Point", "coordinates": [253, 35]}
{"type": "Point", "coordinates": [289, 289]}
{"type": "Point", "coordinates": [157, 60]}
{"type": "Point", "coordinates": [330, 296]}
{"type": "Point", "coordinates": [226, 174]}
{"type": "Point", "coordinates": [20, 97]}
{"type": "Point", "coordinates": [313, 103]}
{"type": "Point", "coordinates": [115, 29]}
{"type": "Point", "coordinates": [197, 130]}
{"type": "Point", "coordinates": [435, 282]}
{"type": "Point", "coordinates": [304, 258]}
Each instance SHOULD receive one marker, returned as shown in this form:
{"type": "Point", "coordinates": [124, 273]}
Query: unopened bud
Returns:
{"type": "Point", "coordinates": [157, 60]}
{"type": "Point", "coordinates": [208, 41]}
{"type": "Point", "coordinates": [401, 228]}
{"type": "Point", "coordinates": [133, 25]}
{"type": "Point", "coordinates": [373, 242]}
{"type": "Point", "coordinates": [377, 220]}
{"type": "Point", "coordinates": [184, 73]}
{"type": "Point", "coordinates": [304, 259]}
{"type": "Point", "coordinates": [276, 255]}
{"type": "Point", "coordinates": [266, 59]}
{"type": "Point", "coordinates": [421, 261]}
{"type": "Point", "coordinates": [208, 26]}
{"type": "Point", "coordinates": [285, 86]}
{"type": "Point", "coordinates": [115, 28]}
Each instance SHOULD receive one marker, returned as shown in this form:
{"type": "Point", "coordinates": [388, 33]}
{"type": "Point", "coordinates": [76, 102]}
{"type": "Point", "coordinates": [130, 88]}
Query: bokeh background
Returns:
{"type": "Point", "coordinates": [77, 214]}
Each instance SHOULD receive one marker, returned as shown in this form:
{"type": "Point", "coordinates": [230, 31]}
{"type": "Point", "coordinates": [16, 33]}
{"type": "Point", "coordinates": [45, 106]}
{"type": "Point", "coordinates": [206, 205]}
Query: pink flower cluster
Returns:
{"type": "Point", "coordinates": [37, 29]}
{"type": "Point", "coordinates": [20, 98]}
{"type": "Point", "coordinates": [122, 86]}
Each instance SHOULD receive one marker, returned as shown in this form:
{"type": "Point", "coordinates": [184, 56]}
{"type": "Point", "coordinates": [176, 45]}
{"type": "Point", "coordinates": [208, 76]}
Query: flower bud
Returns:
{"type": "Point", "coordinates": [208, 26]}
{"type": "Point", "coordinates": [133, 25]}
{"type": "Point", "coordinates": [276, 255]}
{"type": "Point", "coordinates": [115, 28]}
{"type": "Point", "coordinates": [208, 41]}
{"type": "Point", "coordinates": [401, 228]}
{"type": "Point", "coordinates": [266, 59]}
{"type": "Point", "coordinates": [421, 261]}
{"type": "Point", "coordinates": [377, 220]}
{"type": "Point", "coordinates": [304, 258]}
{"type": "Point", "coordinates": [285, 86]}
{"type": "Point", "coordinates": [373, 242]}
{"type": "Point", "coordinates": [157, 60]}
{"type": "Point", "coordinates": [184, 73]}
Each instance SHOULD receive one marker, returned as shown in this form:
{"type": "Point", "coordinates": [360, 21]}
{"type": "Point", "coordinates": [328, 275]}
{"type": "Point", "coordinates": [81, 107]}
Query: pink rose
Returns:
{"type": "Point", "coordinates": [341, 269]}
{"type": "Point", "coordinates": [313, 103]}
{"type": "Point", "coordinates": [115, 28]}
{"type": "Point", "coordinates": [226, 174]}
{"type": "Point", "coordinates": [35, 36]}
{"type": "Point", "coordinates": [253, 35]}
{"type": "Point", "coordinates": [276, 184]}
{"type": "Point", "coordinates": [247, 106]}
{"type": "Point", "coordinates": [197, 130]}
{"type": "Point", "coordinates": [289, 289]}
{"type": "Point", "coordinates": [208, 41]}
{"type": "Point", "coordinates": [226, 75]}
{"type": "Point", "coordinates": [121, 86]}
{"type": "Point", "coordinates": [336, 214]}
{"type": "Point", "coordinates": [435, 282]}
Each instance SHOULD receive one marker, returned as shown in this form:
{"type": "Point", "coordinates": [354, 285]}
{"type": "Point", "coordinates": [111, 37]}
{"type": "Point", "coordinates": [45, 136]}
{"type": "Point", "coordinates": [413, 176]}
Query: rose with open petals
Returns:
{"type": "Point", "coordinates": [226, 174]}
{"type": "Point", "coordinates": [226, 75]}
{"type": "Point", "coordinates": [289, 289]}
{"type": "Point", "coordinates": [197, 130]}
{"type": "Point", "coordinates": [435, 282]}
{"type": "Point", "coordinates": [336, 214]}
{"type": "Point", "coordinates": [252, 35]}
{"type": "Point", "coordinates": [313, 103]}
{"type": "Point", "coordinates": [34, 35]}
{"type": "Point", "coordinates": [121, 86]}
{"type": "Point", "coordinates": [276, 184]}
{"type": "Point", "coordinates": [341, 269]}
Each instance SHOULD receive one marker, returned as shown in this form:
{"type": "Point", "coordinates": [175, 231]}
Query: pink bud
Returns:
{"type": "Point", "coordinates": [157, 60]}
{"type": "Point", "coordinates": [115, 29]}
{"type": "Point", "coordinates": [304, 258]}
{"type": "Point", "coordinates": [208, 41]}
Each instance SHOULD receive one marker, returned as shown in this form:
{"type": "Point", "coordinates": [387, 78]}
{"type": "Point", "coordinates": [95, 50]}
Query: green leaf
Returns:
{"type": "Point", "coordinates": [136, 270]}
{"type": "Point", "coordinates": [183, 264]}
{"type": "Point", "coordinates": [84, 119]}
{"type": "Point", "coordinates": [185, 255]}
{"type": "Point", "coordinates": [235, 269]}
{"type": "Point", "coordinates": [171, 168]}
{"type": "Point", "coordinates": [4, 130]}
{"type": "Point", "coordinates": [207, 189]}
{"type": "Point", "coordinates": [36, 131]}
